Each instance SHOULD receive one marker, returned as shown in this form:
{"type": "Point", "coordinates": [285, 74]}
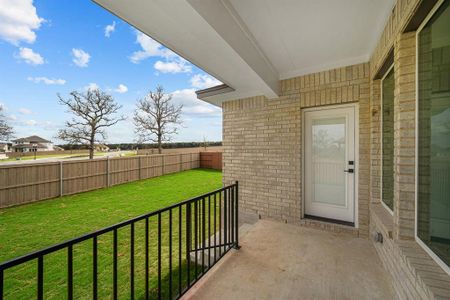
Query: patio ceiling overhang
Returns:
{"type": "Point", "coordinates": [250, 45]}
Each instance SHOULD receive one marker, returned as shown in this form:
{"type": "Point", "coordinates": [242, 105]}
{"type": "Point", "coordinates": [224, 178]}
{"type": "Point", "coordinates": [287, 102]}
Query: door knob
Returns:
{"type": "Point", "coordinates": [349, 171]}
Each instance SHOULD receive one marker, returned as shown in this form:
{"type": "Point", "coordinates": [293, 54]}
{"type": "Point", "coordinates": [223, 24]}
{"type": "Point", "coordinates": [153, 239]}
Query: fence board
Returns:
{"type": "Point", "coordinates": [211, 160]}
{"type": "Point", "coordinates": [24, 183]}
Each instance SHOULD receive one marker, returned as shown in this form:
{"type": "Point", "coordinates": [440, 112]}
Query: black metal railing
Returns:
{"type": "Point", "coordinates": [157, 255]}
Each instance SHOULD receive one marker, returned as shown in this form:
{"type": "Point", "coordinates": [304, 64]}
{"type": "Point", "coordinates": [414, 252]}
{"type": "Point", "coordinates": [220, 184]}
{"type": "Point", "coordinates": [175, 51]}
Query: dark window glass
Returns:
{"type": "Point", "coordinates": [433, 226]}
{"type": "Point", "coordinates": [387, 125]}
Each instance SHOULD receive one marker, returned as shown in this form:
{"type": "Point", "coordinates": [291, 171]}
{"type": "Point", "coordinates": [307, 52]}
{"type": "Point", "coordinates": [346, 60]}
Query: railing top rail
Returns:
{"type": "Point", "coordinates": [33, 255]}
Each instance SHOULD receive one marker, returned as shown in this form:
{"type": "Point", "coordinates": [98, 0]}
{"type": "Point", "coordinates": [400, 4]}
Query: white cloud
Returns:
{"type": "Point", "coordinates": [91, 86]}
{"type": "Point", "coordinates": [173, 66]}
{"type": "Point", "coordinates": [25, 111]}
{"type": "Point", "coordinates": [194, 106]}
{"type": "Point", "coordinates": [30, 57]}
{"type": "Point", "coordinates": [110, 29]}
{"type": "Point", "coordinates": [150, 48]}
{"type": "Point", "coordinates": [18, 20]}
{"type": "Point", "coordinates": [30, 122]}
{"type": "Point", "coordinates": [172, 63]}
{"type": "Point", "coordinates": [204, 81]}
{"type": "Point", "coordinates": [80, 57]}
{"type": "Point", "coordinates": [46, 80]}
{"type": "Point", "coordinates": [121, 89]}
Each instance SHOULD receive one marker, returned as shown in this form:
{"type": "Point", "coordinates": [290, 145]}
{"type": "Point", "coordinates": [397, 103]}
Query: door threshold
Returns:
{"type": "Point", "coordinates": [328, 220]}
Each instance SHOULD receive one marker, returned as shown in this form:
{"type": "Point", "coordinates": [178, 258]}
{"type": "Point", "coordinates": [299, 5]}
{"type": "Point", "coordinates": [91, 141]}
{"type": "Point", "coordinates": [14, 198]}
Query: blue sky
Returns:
{"type": "Point", "coordinates": [56, 46]}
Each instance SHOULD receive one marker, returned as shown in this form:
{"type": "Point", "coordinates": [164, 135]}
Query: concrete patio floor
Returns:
{"type": "Point", "coordinates": [282, 261]}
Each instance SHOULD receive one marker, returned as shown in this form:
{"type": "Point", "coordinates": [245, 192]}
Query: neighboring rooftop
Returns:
{"type": "Point", "coordinates": [31, 139]}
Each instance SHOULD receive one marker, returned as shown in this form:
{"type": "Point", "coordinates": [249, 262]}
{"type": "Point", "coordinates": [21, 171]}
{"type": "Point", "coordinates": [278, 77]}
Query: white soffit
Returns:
{"type": "Point", "coordinates": [251, 44]}
{"type": "Point", "coordinates": [303, 36]}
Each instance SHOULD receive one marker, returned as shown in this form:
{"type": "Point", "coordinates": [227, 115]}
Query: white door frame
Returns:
{"type": "Point", "coordinates": [356, 166]}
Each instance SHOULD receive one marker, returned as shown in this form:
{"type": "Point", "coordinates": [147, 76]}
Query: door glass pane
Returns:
{"type": "Point", "coordinates": [388, 140]}
{"type": "Point", "coordinates": [328, 155]}
{"type": "Point", "coordinates": [433, 222]}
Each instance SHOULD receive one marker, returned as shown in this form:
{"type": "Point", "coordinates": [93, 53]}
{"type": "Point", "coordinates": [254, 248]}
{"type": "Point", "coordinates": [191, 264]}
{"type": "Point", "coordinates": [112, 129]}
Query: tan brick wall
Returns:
{"type": "Point", "coordinates": [375, 141]}
{"type": "Point", "coordinates": [401, 14]}
{"type": "Point", "coordinates": [401, 255]}
{"type": "Point", "coordinates": [262, 141]}
{"type": "Point", "coordinates": [262, 149]}
{"type": "Point", "coordinates": [404, 132]}
{"type": "Point", "coordinates": [414, 274]}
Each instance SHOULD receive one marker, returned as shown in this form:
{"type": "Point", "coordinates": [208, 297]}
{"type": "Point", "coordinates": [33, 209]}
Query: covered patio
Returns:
{"type": "Point", "coordinates": [335, 116]}
{"type": "Point", "coordinates": [284, 261]}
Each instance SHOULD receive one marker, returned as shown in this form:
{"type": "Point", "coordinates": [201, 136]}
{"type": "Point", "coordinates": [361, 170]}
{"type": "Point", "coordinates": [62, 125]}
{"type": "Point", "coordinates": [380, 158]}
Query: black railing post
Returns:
{"type": "Point", "coordinates": [132, 261]}
{"type": "Point", "coordinates": [1, 284]}
{"type": "Point", "coordinates": [115, 264]}
{"type": "Point", "coordinates": [94, 268]}
{"type": "Point", "coordinates": [236, 222]}
{"type": "Point", "coordinates": [159, 257]}
{"type": "Point", "coordinates": [180, 288]}
{"type": "Point", "coordinates": [188, 243]}
{"type": "Point", "coordinates": [70, 272]}
{"type": "Point", "coordinates": [147, 292]}
{"type": "Point", "coordinates": [40, 278]}
{"type": "Point", "coordinates": [170, 254]}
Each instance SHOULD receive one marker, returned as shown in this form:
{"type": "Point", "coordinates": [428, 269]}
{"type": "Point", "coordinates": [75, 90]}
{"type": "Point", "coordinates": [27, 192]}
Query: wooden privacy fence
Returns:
{"type": "Point", "coordinates": [211, 160]}
{"type": "Point", "coordinates": [24, 183]}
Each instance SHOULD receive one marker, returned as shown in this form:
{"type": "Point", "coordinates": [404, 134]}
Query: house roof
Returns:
{"type": "Point", "coordinates": [32, 139]}
{"type": "Point", "coordinates": [38, 146]}
{"type": "Point", "coordinates": [251, 45]}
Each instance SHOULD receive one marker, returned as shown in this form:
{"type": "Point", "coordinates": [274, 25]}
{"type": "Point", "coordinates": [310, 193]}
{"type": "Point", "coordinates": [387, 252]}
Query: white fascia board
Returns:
{"type": "Point", "coordinates": [221, 15]}
{"type": "Point", "coordinates": [219, 99]}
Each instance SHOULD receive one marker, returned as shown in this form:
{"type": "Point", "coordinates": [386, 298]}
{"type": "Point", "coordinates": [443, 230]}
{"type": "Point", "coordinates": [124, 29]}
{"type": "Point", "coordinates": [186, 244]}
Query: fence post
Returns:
{"type": "Point", "coordinates": [107, 172]}
{"type": "Point", "coordinates": [61, 178]}
{"type": "Point", "coordinates": [181, 162]}
{"type": "Point", "coordinates": [140, 167]}
{"type": "Point", "coordinates": [163, 164]}
{"type": "Point", "coordinates": [190, 160]}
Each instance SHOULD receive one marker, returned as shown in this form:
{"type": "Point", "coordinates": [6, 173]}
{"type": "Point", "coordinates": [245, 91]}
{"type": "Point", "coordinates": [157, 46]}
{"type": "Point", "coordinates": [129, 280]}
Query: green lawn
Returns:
{"type": "Point", "coordinates": [34, 226]}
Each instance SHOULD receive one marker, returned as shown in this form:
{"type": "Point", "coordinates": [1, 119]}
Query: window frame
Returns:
{"type": "Point", "coordinates": [427, 249]}
{"type": "Point", "coordinates": [391, 211]}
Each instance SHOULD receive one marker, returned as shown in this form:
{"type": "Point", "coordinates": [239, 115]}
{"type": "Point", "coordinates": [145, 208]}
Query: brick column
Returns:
{"type": "Point", "coordinates": [364, 158]}
{"type": "Point", "coordinates": [404, 133]}
{"type": "Point", "coordinates": [375, 141]}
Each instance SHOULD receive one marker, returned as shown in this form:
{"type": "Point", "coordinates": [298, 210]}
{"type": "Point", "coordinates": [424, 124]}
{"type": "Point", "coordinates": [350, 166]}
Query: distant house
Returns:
{"type": "Point", "coordinates": [31, 144]}
{"type": "Point", "coordinates": [5, 147]}
{"type": "Point", "coordinates": [101, 148]}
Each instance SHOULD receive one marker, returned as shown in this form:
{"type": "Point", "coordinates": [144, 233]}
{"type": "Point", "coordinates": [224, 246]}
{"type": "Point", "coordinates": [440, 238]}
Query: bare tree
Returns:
{"type": "Point", "coordinates": [94, 111]}
{"type": "Point", "coordinates": [6, 131]}
{"type": "Point", "coordinates": [156, 118]}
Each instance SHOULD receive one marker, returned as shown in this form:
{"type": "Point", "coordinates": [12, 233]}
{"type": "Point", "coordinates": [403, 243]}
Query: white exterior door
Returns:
{"type": "Point", "coordinates": [330, 166]}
